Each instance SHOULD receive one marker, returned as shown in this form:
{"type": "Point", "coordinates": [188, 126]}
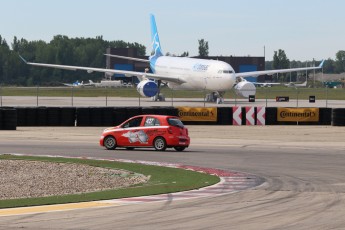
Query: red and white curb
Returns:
{"type": "Point", "coordinates": [230, 182]}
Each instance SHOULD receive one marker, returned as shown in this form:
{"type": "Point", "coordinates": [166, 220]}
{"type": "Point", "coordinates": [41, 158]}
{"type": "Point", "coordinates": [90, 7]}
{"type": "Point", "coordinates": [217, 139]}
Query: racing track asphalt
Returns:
{"type": "Point", "coordinates": [303, 167]}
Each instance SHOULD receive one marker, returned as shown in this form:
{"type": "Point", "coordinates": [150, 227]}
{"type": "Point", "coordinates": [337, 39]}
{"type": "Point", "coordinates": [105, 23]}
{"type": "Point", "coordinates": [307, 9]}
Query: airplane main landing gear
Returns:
{"type": "Point", "coordinates": [158, 97]}
{"type": "Point", "coordinates": [215, 97]}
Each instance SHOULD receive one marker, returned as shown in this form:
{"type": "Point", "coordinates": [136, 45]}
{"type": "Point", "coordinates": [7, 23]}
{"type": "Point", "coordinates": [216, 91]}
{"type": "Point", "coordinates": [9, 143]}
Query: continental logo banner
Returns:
{"type": "Point", "coordinates": [298, 114]}
{"type": "Point", "coordinates": [197, 114]}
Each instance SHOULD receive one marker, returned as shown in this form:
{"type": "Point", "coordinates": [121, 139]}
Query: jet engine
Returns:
{"type": "Point", "coordinates": [147, 88]}
{"type": "Point", "coordinates": [245, 88]}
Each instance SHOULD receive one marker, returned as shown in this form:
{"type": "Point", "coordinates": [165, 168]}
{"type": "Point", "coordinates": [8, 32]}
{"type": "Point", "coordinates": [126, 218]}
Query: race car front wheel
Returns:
{"type": "Point", "coordinates": [110, 142]}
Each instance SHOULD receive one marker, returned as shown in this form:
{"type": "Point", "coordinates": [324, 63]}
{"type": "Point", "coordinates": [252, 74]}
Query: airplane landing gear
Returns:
{"type": "Point", "coordinates": [158, 97]}
{"type": "Point", "coordinates": [215, 97]}
{"type": "Point", "coordinates": [220, 100]}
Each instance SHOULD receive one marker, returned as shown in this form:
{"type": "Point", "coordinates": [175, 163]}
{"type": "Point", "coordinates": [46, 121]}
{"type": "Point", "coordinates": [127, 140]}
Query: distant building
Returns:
{"type": "Point", "coordinates": [240, 64]}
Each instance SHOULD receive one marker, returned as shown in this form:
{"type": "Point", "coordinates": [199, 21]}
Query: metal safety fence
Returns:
{"type": "Point", "coordinates": [265, 96]}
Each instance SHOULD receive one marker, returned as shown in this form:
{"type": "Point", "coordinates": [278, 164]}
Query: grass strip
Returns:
{"type": "Point", "coordinates": [163, 180]}
{"type": "Point", "coordinates": [261, 92]}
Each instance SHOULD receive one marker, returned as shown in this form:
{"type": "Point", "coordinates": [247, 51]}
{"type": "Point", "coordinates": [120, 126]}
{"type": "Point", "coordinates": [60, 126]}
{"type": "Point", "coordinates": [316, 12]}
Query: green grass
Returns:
{"type": "Point", "coordinates": [300, 93]}
{"type": "Point", "coordinates": [262, 93]}
{"type": "Point", "coordinates": [163, 180]}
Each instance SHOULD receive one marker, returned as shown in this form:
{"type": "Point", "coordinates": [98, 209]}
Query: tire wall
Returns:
{"type": "Point", "coordinates": [112, 116]}
{"type": "Point", "coordinates": [338, 117]}
{"type": "Point", "coordinates": [8, 118]}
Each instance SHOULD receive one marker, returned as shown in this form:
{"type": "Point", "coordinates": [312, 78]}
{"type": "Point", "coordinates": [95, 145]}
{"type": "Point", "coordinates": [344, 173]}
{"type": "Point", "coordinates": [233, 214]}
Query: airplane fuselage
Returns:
{"type": "Point", "coordinates": [199, 74]}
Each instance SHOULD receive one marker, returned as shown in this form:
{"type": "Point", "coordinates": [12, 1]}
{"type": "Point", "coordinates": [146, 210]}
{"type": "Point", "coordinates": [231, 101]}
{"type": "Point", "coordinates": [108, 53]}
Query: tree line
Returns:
{"type": "Point", "coordinates": [280, 61]}
{"type": "Point", "coordinates": [90, 52]}
{"type": "Point", "coordinates": [60, 50]}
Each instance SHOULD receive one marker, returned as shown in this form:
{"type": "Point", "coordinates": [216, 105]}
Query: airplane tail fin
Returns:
{"type": "Point", "coordinates": [156, 46]}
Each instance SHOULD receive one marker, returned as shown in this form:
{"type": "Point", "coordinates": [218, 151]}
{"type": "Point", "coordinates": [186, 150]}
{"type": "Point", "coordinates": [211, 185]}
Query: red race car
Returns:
{"type": "Point", "coordinates": [158, 131]}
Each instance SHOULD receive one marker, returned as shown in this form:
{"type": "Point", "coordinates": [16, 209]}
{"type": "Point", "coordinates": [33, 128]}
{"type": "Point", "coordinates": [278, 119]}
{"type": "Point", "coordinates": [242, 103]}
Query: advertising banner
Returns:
{"type": "Point", "coordinates": [298, 114]}
{"type": "Point", "coordinates": [197, 114]}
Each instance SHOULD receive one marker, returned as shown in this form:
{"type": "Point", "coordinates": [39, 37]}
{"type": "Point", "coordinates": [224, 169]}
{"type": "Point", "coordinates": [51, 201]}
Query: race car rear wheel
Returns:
{"type": "Point", "coordinates": [110, 142]}
{"type": "Point", "coordinates": [160, 144]}
{"type": "Point", "coordinates": [179, 148]}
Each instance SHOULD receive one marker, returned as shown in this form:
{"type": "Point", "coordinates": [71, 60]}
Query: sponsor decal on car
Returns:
{"type": "Point", "coordinates": [139, 136]}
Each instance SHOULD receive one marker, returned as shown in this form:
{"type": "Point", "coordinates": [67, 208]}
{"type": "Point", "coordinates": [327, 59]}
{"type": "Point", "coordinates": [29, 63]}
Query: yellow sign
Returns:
{"type": "Point", "coordinates": [298, 114]}
{"type": "Point", "coordinates": [197, 114]}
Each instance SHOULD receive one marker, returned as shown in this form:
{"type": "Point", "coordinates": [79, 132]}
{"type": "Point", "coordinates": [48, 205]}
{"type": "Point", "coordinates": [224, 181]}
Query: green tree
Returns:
{"type": "Point", "coordinates": [340, 61]}
{"type": "Point", "coordinates": [203, 48]}
{"type": "Point", "coordinates": [60, 50]}
{"type": "Point", "coordinates": [329, 66]}
{"type": "Point", "coordinates": [280, 61]}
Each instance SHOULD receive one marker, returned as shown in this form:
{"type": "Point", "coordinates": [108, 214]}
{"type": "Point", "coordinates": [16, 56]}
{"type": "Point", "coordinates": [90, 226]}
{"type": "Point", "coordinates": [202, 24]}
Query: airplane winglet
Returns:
{"type": "Point", "coordinates": [23, 59]}
{"type": "Point", "coordinates": [321, 64]}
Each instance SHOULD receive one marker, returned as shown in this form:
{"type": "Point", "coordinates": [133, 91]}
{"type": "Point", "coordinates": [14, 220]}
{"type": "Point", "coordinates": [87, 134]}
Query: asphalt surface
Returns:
{"type": "Point", "coordinates": [303, 167]}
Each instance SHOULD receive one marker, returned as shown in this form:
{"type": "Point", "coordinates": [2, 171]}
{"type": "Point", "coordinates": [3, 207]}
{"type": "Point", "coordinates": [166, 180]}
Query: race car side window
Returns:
{"type": "Point", "coordinates": [151, 121]}
{"type": "Point", "coordinates": [133, 123]}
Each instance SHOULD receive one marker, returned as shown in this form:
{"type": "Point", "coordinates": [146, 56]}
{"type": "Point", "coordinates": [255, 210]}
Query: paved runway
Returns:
{"type": "Point", "coordinates": [303, 167]}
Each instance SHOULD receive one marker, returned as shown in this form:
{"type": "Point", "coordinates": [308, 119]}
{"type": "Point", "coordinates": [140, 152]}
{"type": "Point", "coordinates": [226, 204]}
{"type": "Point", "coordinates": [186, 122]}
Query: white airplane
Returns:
{"type": "Point", "coordinates": [183, 73]}
{"type": "Point", "coordinates": [265, 84]}
{"type": "Point", "coordinates": [106, 83]}
{"type": "Point", "coordinates": [74, 84]}
{"type": "Point", "coordinates": [294, 84]}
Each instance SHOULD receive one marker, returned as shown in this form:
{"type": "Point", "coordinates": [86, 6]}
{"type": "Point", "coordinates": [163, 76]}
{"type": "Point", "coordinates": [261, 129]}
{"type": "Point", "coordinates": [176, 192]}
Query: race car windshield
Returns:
{"type": "Point", "coordinates": [175, 122]}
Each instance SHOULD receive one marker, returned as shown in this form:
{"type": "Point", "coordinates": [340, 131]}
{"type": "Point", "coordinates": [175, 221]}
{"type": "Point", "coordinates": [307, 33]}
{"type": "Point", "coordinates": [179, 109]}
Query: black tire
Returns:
{"type": "Point", "coordinates": [129, 148]}
{"type": "Point", "coordinates": [160, 144]}
{"type": "Point", "coordinates": [109, 143]}
{"type": "Point", "coordinates": [179, 148]}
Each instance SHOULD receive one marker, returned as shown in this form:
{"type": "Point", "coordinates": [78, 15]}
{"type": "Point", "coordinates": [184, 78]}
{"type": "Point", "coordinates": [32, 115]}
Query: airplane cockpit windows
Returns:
{"type": "Point", "coordinates": [225, 71]}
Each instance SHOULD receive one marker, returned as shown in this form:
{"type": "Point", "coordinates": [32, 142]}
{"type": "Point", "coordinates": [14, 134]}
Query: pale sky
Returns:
{"type": "Point", "coordinates": [305, 29]}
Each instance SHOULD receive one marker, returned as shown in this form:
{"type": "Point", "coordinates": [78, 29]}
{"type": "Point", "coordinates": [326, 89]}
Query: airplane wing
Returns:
{"type": "Point", "coordinates": [265, 83]}
{"type": "Point", "coordinates": [128, 58]}
{"type": "Point", "coordinates": [111, 71]}
{"type": "Point", "coordinates": [271, 72]}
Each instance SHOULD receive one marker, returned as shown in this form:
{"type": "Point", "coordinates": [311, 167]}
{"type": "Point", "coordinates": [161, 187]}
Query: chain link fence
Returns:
{"type": "Point", "coordinates": [128, 96]}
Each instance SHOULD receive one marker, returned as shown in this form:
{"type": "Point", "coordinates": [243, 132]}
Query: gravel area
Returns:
{"type": "Point", "coordinates": [24, 179]}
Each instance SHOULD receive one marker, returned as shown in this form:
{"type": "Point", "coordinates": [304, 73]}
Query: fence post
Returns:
{"type": "Point", "coordinates": [297, 97]}
{"type": "Point", "coordinates": [204, 97]}
{"type": "Point", "coordinates": [326, 97]}
{"type": "Point", "coordinates": [37, 95]}
{"type": "Point", "coordinates": [266, 88]}
{"type": "Point", "coordinates": [106, 96]}
{"type": "Point", "coordinates": [72, 91]}
{"type": "Point", "coordinates": [1, 94]}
